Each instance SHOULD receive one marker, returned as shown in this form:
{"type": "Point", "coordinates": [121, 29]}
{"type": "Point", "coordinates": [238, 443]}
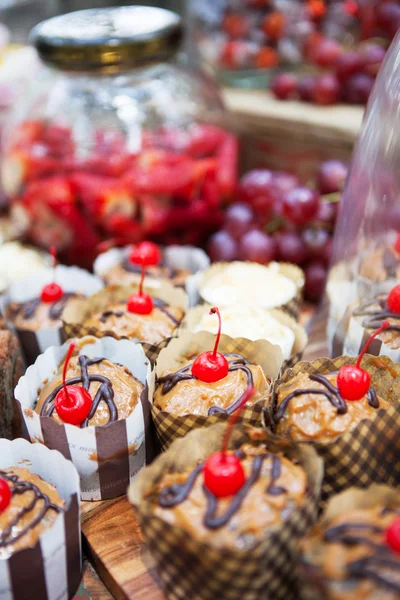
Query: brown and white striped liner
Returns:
{"type": "Point", "coordinates": [195, 314]}
{"type": "Point", "coordinates": [107, 457]}
{"type": "Point", "coordinates": [78, 311]}
{"type": "Point", "coordinates": [51, 570]}
{"type": "Point", "coordinates": [190, 568]}
{"type": "Point", "coordinates": [71, 279]}
{"type": "Point", "coordinates": [292, 308]}
{"type": "Point", "coordinates": [369, 453]}
{"type": "Point", "coordinates": [169, 426]}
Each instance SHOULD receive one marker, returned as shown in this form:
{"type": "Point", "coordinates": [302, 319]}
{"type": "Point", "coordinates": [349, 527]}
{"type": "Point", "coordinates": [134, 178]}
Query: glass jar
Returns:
{"type": "Point", "coordinates": [246, 42]}
{"type": "Point", "coordinates": [114, 140]}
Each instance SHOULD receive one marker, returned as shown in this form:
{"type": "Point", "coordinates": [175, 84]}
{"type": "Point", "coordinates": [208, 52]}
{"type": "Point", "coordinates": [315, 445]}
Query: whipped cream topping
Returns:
{"type": "Point", "coordinates": [249, 284]}
{"type": "Point", "coordinates": [251, 322]}
{"type": "Point", "coordinates": [16, 262]}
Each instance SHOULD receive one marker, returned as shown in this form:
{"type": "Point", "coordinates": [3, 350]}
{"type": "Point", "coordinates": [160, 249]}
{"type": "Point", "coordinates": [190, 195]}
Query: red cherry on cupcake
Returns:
{"type": "Point", "coordinates": [72, 403]}
{"type": "Point", "coordinates": [393, 300]}
{"type": "Point", "coordinates": [393, 536]}
{"type": "Point", "coordinates": [5, 495]}
{"type": "Point", "coordinates": [140, 303]}
{"type": "Point", "coordinates": [352, 381]}
{"type": "Point", "coordinates": [52, 292]}
{"type": "Point", "coordinates": [146, 253]}
{"type": "Point", "coordinates": [211, 366]}
{"type": "Point", "coordinates": [223, 473]}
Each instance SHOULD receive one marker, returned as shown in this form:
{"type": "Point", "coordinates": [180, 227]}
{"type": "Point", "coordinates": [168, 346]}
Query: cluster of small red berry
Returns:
{"type": "Point", "coordinates": [277, 218]}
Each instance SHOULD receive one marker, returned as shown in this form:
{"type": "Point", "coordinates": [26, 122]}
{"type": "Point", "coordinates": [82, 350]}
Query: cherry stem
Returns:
{"type": "Point", "coordinates": [384, 326]}
{"type": "Point", "coordinates": [142, 279]}
{"type": "Point", "coordinates": [66, 363]}
{"type": "Point", "coordinates": [215, 311]}
{"type": "Point", "coordinates": [53, 252]}
{"type": "Point", "coordinates": [232, 421]}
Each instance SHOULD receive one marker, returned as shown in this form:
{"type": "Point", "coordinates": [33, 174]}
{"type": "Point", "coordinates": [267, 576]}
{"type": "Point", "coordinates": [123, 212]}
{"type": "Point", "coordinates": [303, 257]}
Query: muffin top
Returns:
{"type": "Point", "coordinates": [310, 408]}
{"type": "Point", "coordinates": [126, 273]}
{"type": "Point", "coordinates": [274, 488]}
{"type": "Point", "coordinates": [36, 314]}
{"type": "Point", "coordinates": [113, 388]}
{"type": "Point", "coordinates": [381, 264]}
{"type": "Point", "coordinates": [371, 316]}
{"type": "Point", "coordinates": [351, 555]}
{"type": "Point", "coordinates": [182, 393]}
{"type": "Point", "coordinates": [151, 328]}
{"type": "Point", "coordinates": [34, 507]}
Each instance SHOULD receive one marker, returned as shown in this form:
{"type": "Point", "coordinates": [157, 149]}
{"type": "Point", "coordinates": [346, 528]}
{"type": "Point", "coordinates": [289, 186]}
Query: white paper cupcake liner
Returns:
{"type": "Point", "coordinates": [107, 457]}
{"type": "Point", "coordinates": [50, 570]}
{"type": "Point", "coordinates": [71, 279]}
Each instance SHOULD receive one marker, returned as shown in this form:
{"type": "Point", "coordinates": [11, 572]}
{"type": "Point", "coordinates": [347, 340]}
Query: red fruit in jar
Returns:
{"type": "Point", "coordinates": [348, 64]}
{"type": "Point", "coordinates": [291, 247]}
{"type": "Point", "coordinates": [227, 165]}
{"type": "Point", "coordinates": [255, 189]}
{"type": "Point", "coordinates": [316, 8]}
{"type": "Point", "coordinates": [315, 241]}
{"type": "Point", "coordinates": [203, 140]}
{"type": "Point", "coordinates": [257, 246]}
{"type": "Point", "coordinates": [20, 166]}
{"type": "Point", "coordinates": [326, 52]}
{"type": "Point", "coordinates": [123, 227]}
{"type": "Point", "coordinates": [222, 247]}
{"type": "Point", "coordinates": [331, 176]}
{"type": "Point", "coordinates": [284, 86]}
{"type": "Point", "coordinates": [300, 205]}
{"type": "Point", "coordinates": [238, 220]}
{"type": "Point", "coordinates": [27, 133]}
{"type": "Point", "coordinates": [358, 88]}
{"type": "Point", "coordinates": [266, 58]}
{"type": "Point", "coordinates": [160, 173]}
{"type": "Point", "coordinates": [154, 216]}
{"type": "Point", "coordinates": [236, 25]}
{"type": "Point", "coordinates": [237, 54]}
{"type": "Point", "coordinates": [315, 281]}
{"type": "Point", "coordinates": [327, 90]}
{"type": "Point", "coordinates": [273, 25]}
{"type": "Point", "coordinates": [372, 57]}
{"type": "Point", "coordinates": [306, 87]}
{"type": "Point", "coordinates": [58, 140]}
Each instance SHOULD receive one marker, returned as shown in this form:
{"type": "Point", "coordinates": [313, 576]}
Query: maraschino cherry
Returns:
{"type": "Point", "coordinates": [72, 403]}
{"type": "Point", "coordinates": [5, 495]}
{"type": "Point", "coordinates": [146, 253]}
{"type": "Point", "coordinates": [393, 300]}
{"type": "Point", "coordinates": [223, 473]}
{"type": "Point", "coordinates": [393, 536]}
{"type": "Point", "coordinates": [352, 381]}
{"type": "Point", "coordinates": [140, 303]}
{"type": "Point", "coordinates": [211, 366]}
{"type": "Point", "coordinates": [52, 292]}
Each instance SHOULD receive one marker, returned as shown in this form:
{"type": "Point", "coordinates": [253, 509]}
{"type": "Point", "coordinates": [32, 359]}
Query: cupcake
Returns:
{"type": "Point", "coordinates": [18, 261]}
{"type": "Point", "coordinates": [34, 305]}
{"type": "Point", "coordinates": [39, 523]}
{"type": "Point", "coordinates": [11, 369]}
{"type": "Point", "coordinates": [89, 401]}
{"type": "Point", "coordinates": [353, 552]}
{"type": "Point", "coordinates": [123, 266]}
{"type": "Point", "coordinates": [227, 535]}
{"type": "Point", "coordinates": [196, 386]}
{"type": "Point", "coordinates": [253, 323]}
{"type": "Point", "coordinates": [380, 264]}
{"type": "Point", "coordinates": [277, 285]}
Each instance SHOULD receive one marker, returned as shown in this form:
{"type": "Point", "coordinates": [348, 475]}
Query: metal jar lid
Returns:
{"type": "Point", "coordinates": [108, 39]}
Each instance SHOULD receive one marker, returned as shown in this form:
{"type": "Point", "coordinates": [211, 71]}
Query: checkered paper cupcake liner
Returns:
{"type": "Point", "coordinates": [170, 427]}
{"type": "Point", "coordinates": [189, 568]}
{"type": "Point", "coordinates": [369, 453]}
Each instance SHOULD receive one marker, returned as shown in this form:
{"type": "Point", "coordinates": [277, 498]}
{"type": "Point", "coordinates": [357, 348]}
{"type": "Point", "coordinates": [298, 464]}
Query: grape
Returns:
{"type": "Point", "coordinates": [327, 213]}
{"type": "Point", "coordinates": [238, 220]}
{"type": "Point", "coordinates": [331, 176]}
{"type": "Point", "coordinates": [257, 246]}
{"type": "Point", "coordinates": [306, 87]}
{"type": "Point", "coordinates": [284, 86]}
{"type": "Point", "coordinates": [388, 17]}
{"type": "Point", "coordinates": [327, 253]}
{"type": "Point", "coordinates": [291, 247]}
{"type": "Point", "coordinates": [222, 246]}
{"type": "Point", "coordinates": [300, 205]}
{"type": "Point", "coordinates": [348, 64]}
{"type": "Point", "coordinates": [254, 189]}
{"type": "Point", "coordinates": [358, 89]}
{"type": "Point", "coordinates": [327, 90]}
{"type": "Point", "coordinates": [372, 57]}
{"type": "Point", "coordinates": [315, 281]}
{"type": "Point", "coordinates": [283, 182]}
{"type": "Point", "coordinates": [327, 52]}
{"type": "Point", "coordinates": [315, 241]}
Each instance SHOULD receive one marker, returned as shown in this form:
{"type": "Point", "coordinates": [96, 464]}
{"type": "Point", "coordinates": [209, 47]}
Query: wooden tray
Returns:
{"type": "Point", "coordinates": [113, 540]}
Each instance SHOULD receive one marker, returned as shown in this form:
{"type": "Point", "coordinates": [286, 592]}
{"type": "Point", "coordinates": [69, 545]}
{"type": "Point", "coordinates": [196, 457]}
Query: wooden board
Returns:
{"type": "Point", "coordinates": [113, 540]}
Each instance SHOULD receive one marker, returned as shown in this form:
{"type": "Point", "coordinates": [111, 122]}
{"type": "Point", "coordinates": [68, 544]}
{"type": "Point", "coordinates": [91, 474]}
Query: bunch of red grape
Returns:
{"type": "Point", "coordinates": [277, 218]}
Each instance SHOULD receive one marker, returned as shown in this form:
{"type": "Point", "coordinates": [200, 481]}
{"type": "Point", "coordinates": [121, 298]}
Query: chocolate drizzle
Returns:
{"type": "Point", "coordinates": [160, 304]}
{"type": "Point", "coordinates": [170, 380]}
{"type": "Point", "coordinates": [375, 317]}
{"type": "Point", "coordinates": [55, 308]}
{"type": "Point", "coordinates": [164, 269]}
{"type": "Point", "coordinates": [373, 567]}
{"type": "Point", "coordinates": [21, 487]}
{"type": "Point", "coordinates": [105, 392]}
{"type": "Point", "coordinates": [178, 493]}
{"type": "Point", "coordinates": [331, 393]}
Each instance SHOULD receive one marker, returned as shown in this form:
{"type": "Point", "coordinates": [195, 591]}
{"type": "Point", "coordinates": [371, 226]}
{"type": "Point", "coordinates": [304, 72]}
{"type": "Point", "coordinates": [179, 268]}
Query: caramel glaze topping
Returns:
{"type": "Point", "coordinates": [132, 268]}
{"type": "Point", "coordinates": [156, 301]}
{"type": "Point", "coordinates": [56, 309]}
{"type": "Point", "coordinates": [239, 363]}
{"type": "Point", "coordinates": [375, 317]}
{"type": "Point", "coordinates": [105, 392]}
{"type": "Point", "coordinates": [19, 487]}
{"type": "Point", "coordinates": [331, 393]}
